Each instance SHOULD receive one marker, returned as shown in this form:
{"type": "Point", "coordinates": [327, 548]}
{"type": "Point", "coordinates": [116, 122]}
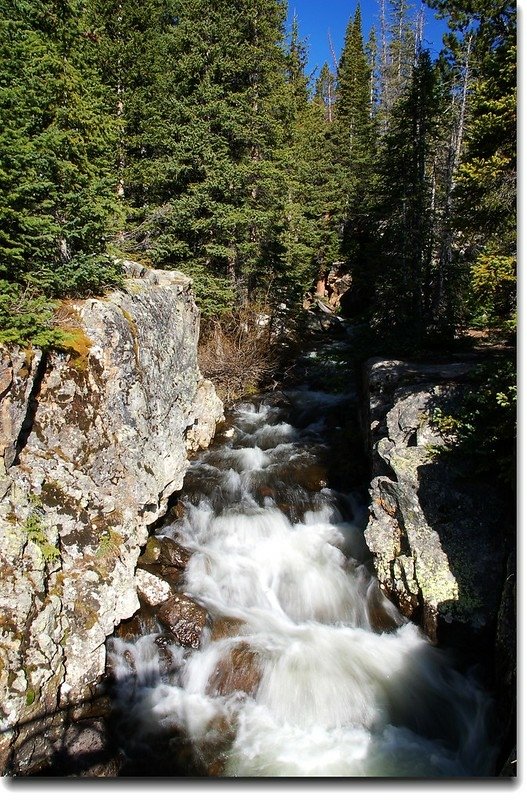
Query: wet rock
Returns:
{"type": "Point", "coordinates": [166, 658]}
{"type": "Point", "coordinates": [207, 411]}
{"type": "Point", "coordinates": [173, 554]}
{"type": "Point", "coordinates": [310, 476]}
{"type": "Point", "coordinates": [164, 551]}
{"type": "Point", "coordinates": [174, 513]}
{"type": "Point", "coordinates": [382, 615]}
{"type": "Point", "coordinates": [184, 618]}
{"type": "Point", "coordinates": [223, 627]}
{"type": "Point", "coordinates": [151, 552]}
{"type": "Point", "coordinates": [171, 575]}
{"type": "Point", "coordinates": [237, 671]}
{"type": "Point", "coordinates": [143, 622]}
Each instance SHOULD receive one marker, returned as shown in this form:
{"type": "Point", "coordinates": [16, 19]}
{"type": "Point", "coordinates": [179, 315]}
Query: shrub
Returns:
{"type": "Point", "coordinates": [482, 429]}
{"type": "Point", "coordinates": [235, 352]}
{"type": "Point", "coordinates": [27, 317]}
{"type": "Point", "coordinates": [82, 276]}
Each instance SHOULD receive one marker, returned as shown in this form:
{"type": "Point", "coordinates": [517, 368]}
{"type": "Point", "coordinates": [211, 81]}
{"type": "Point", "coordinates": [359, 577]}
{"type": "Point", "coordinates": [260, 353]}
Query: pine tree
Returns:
{"type": "Point", "coordinates": [397, 55]}
{"type": "Point", "coordinates": [354, 143]}
{"type": "Point", "coordinates": [486, 184]}
{"type": "Point", "coordinates": [309, 237]}
{"type": "Point", "coordinates": [56, 139]}
{"type": "Point", "coordinates": [404, 277]}
{"type": "Point", "coordinates": [138, 53]}
{"type": "Point", "coordinates": [214, 210]}
{"type": "Point", "coordinates": [354, 92]}
{"type": "Point", "coordinates": [326, 92]}
{"type": "Point", "coordinates": [481, 237]}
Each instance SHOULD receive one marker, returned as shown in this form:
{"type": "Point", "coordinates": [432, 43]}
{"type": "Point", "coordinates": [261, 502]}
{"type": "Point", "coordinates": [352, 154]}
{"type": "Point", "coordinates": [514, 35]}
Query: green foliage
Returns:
{"type": "Point", "coordinates": [484, 201]}
{"type": "Point", "coordinates": [27, 318]}
{"type": "Point", "coordinates": [202, 171]}
{"type": "Point", "coordinates": [56, 138]}
{"type": "Point", "coordinates": [354, 122]}
{"type": "Point", "coordinates": [403, 277]}
{"type": "Point", "coordinates": [482, 430]}
{"type": "Point", "coordinates": [214, 294]}
{"type": "Point", "coordinates": [308, 235]}
{"type": "Point", "coordinates": [396, 56]}
{"type": "Point", "coordinates": [185, 132]}
{"type": "Point", "coordinates": [494, 285]}
{"type": "Point", "coordinates": [82, 276]}
{"type": "Point", "coordinates": [354, 153]}
{"type": "Point", "coordinates": [34, 528]}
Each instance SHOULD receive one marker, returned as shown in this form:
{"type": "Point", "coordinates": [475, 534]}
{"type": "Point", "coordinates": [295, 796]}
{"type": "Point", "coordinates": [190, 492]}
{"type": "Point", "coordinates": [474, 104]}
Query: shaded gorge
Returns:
{"type": "Point", "coordinates": [270, 650]}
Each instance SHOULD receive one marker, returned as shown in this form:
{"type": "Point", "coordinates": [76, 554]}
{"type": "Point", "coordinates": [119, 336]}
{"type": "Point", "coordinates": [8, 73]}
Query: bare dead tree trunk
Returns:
{"type": "Point", "coordinates": [372, 50]}
{"type": "Point", "coordinates": [463, 109]}
{"type": "Point", "coordinates": [445, 259]}
{"type": "Point", "coordinates": [384, 42]}
{"type": "Point", "coordinates": [332, 51]}
{"type": "Point", "coordinates": [419, 29]}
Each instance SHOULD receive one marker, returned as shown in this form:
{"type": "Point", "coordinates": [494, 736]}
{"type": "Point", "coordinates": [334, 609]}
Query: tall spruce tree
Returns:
{"type": "Point", "coordinates": [479, 226]}
{"type": "Point", "coordinates": [354, 141]}
{"type": "Point", "coordinates": [56, 139]}
{"type": "Point", "coordinates": [216, 214]}
{"type": "Point", "coordinates": [138, 47]}
{"type": "Point", "coordinates": [397, 55]}
{"type": "Point", "coordinates": [404, 278]}
{"type": "Point", "coordinates": [309, 237]}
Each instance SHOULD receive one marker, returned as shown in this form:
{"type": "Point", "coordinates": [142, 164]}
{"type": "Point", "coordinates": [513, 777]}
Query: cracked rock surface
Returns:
{"type": "Point", "coordinates": [436, 536]}
{"type": "Point", "coordinates": [93, 442]}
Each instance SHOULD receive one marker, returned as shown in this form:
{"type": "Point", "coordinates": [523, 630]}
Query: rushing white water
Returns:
{"type": "Point", "coordinates": [336, 682]}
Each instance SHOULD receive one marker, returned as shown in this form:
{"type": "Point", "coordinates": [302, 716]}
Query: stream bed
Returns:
{"type": "Point", "coordinates": [299, 666]}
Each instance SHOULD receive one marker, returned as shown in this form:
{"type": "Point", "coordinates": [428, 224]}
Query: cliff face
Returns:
{"type": "Point", "coordinates": [93, 442]}
{"type": "Point", "coordinates": [442, 539]}
{"type": "Point", "coordinates": [438, 537]}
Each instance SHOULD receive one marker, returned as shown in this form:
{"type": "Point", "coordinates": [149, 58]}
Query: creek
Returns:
{"type": "Point", "coordinates": [304, 667]}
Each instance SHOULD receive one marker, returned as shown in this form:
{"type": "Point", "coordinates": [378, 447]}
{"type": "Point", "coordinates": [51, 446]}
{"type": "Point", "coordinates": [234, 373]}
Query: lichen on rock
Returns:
{"type": "Point", "coordinates": [91, 449]}
{"type": "Point", "coordinates": [432, 532]}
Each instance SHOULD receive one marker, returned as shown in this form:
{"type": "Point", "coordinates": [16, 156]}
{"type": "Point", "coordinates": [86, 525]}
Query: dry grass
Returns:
{"type": "Point", "coordinates": [76, 340]}
{"type": "Point", "coordinates": [236, 353]}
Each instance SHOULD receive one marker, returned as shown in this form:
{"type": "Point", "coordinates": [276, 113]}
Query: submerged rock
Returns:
{"type": "Point", "coordinates": [237, 671]}
{"type": "Point", "coordinates": [173, 554]}
{"type": "Point", "coordinates": [184, 618]}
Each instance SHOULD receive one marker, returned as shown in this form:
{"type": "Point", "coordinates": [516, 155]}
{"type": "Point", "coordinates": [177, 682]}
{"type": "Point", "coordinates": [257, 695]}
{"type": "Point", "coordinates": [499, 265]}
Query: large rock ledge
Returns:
{"type": "Point", "coordinates": [93, 442]}
{"type": "Point", "coordinates": [443, 541]}
{"type": "Point", "coordinates": [438, 538]}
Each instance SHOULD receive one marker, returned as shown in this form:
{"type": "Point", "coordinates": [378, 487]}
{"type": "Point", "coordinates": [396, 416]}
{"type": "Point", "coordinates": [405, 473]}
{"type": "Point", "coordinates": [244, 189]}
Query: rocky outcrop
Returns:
{"type": "Point", "coordinates": [93, 442]}
{"type": "Point", "coordinates": [438, 537]}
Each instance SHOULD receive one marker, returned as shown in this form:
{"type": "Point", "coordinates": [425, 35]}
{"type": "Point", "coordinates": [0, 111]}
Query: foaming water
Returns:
{"type": "Point", "coordinates": [314, 673]}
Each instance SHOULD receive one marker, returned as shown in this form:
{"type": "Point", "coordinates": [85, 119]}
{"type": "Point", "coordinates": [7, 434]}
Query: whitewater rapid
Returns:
{"type": "Point", "coordinates": [336, 683]}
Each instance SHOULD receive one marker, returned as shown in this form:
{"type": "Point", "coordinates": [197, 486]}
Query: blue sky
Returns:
{"type": "Point", "coordinates": [317, 17]}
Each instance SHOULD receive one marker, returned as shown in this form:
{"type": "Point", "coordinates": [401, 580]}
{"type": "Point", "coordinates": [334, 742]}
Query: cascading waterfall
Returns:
{"type": "Point", "coordinates": [314, 672]}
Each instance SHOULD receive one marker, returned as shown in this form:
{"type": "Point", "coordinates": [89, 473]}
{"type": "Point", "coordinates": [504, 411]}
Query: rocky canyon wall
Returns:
{"type": "Point", "coordinates": [438, 535]}
{"type": "Point", "coordinates": [442, 538]}
{"type": "Point", "coordinates": [93, 442]}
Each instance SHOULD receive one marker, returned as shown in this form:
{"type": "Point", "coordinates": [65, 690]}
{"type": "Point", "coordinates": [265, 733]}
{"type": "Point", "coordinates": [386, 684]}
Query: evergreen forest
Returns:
{"type": "Point", "coordinates": [187, 135]}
